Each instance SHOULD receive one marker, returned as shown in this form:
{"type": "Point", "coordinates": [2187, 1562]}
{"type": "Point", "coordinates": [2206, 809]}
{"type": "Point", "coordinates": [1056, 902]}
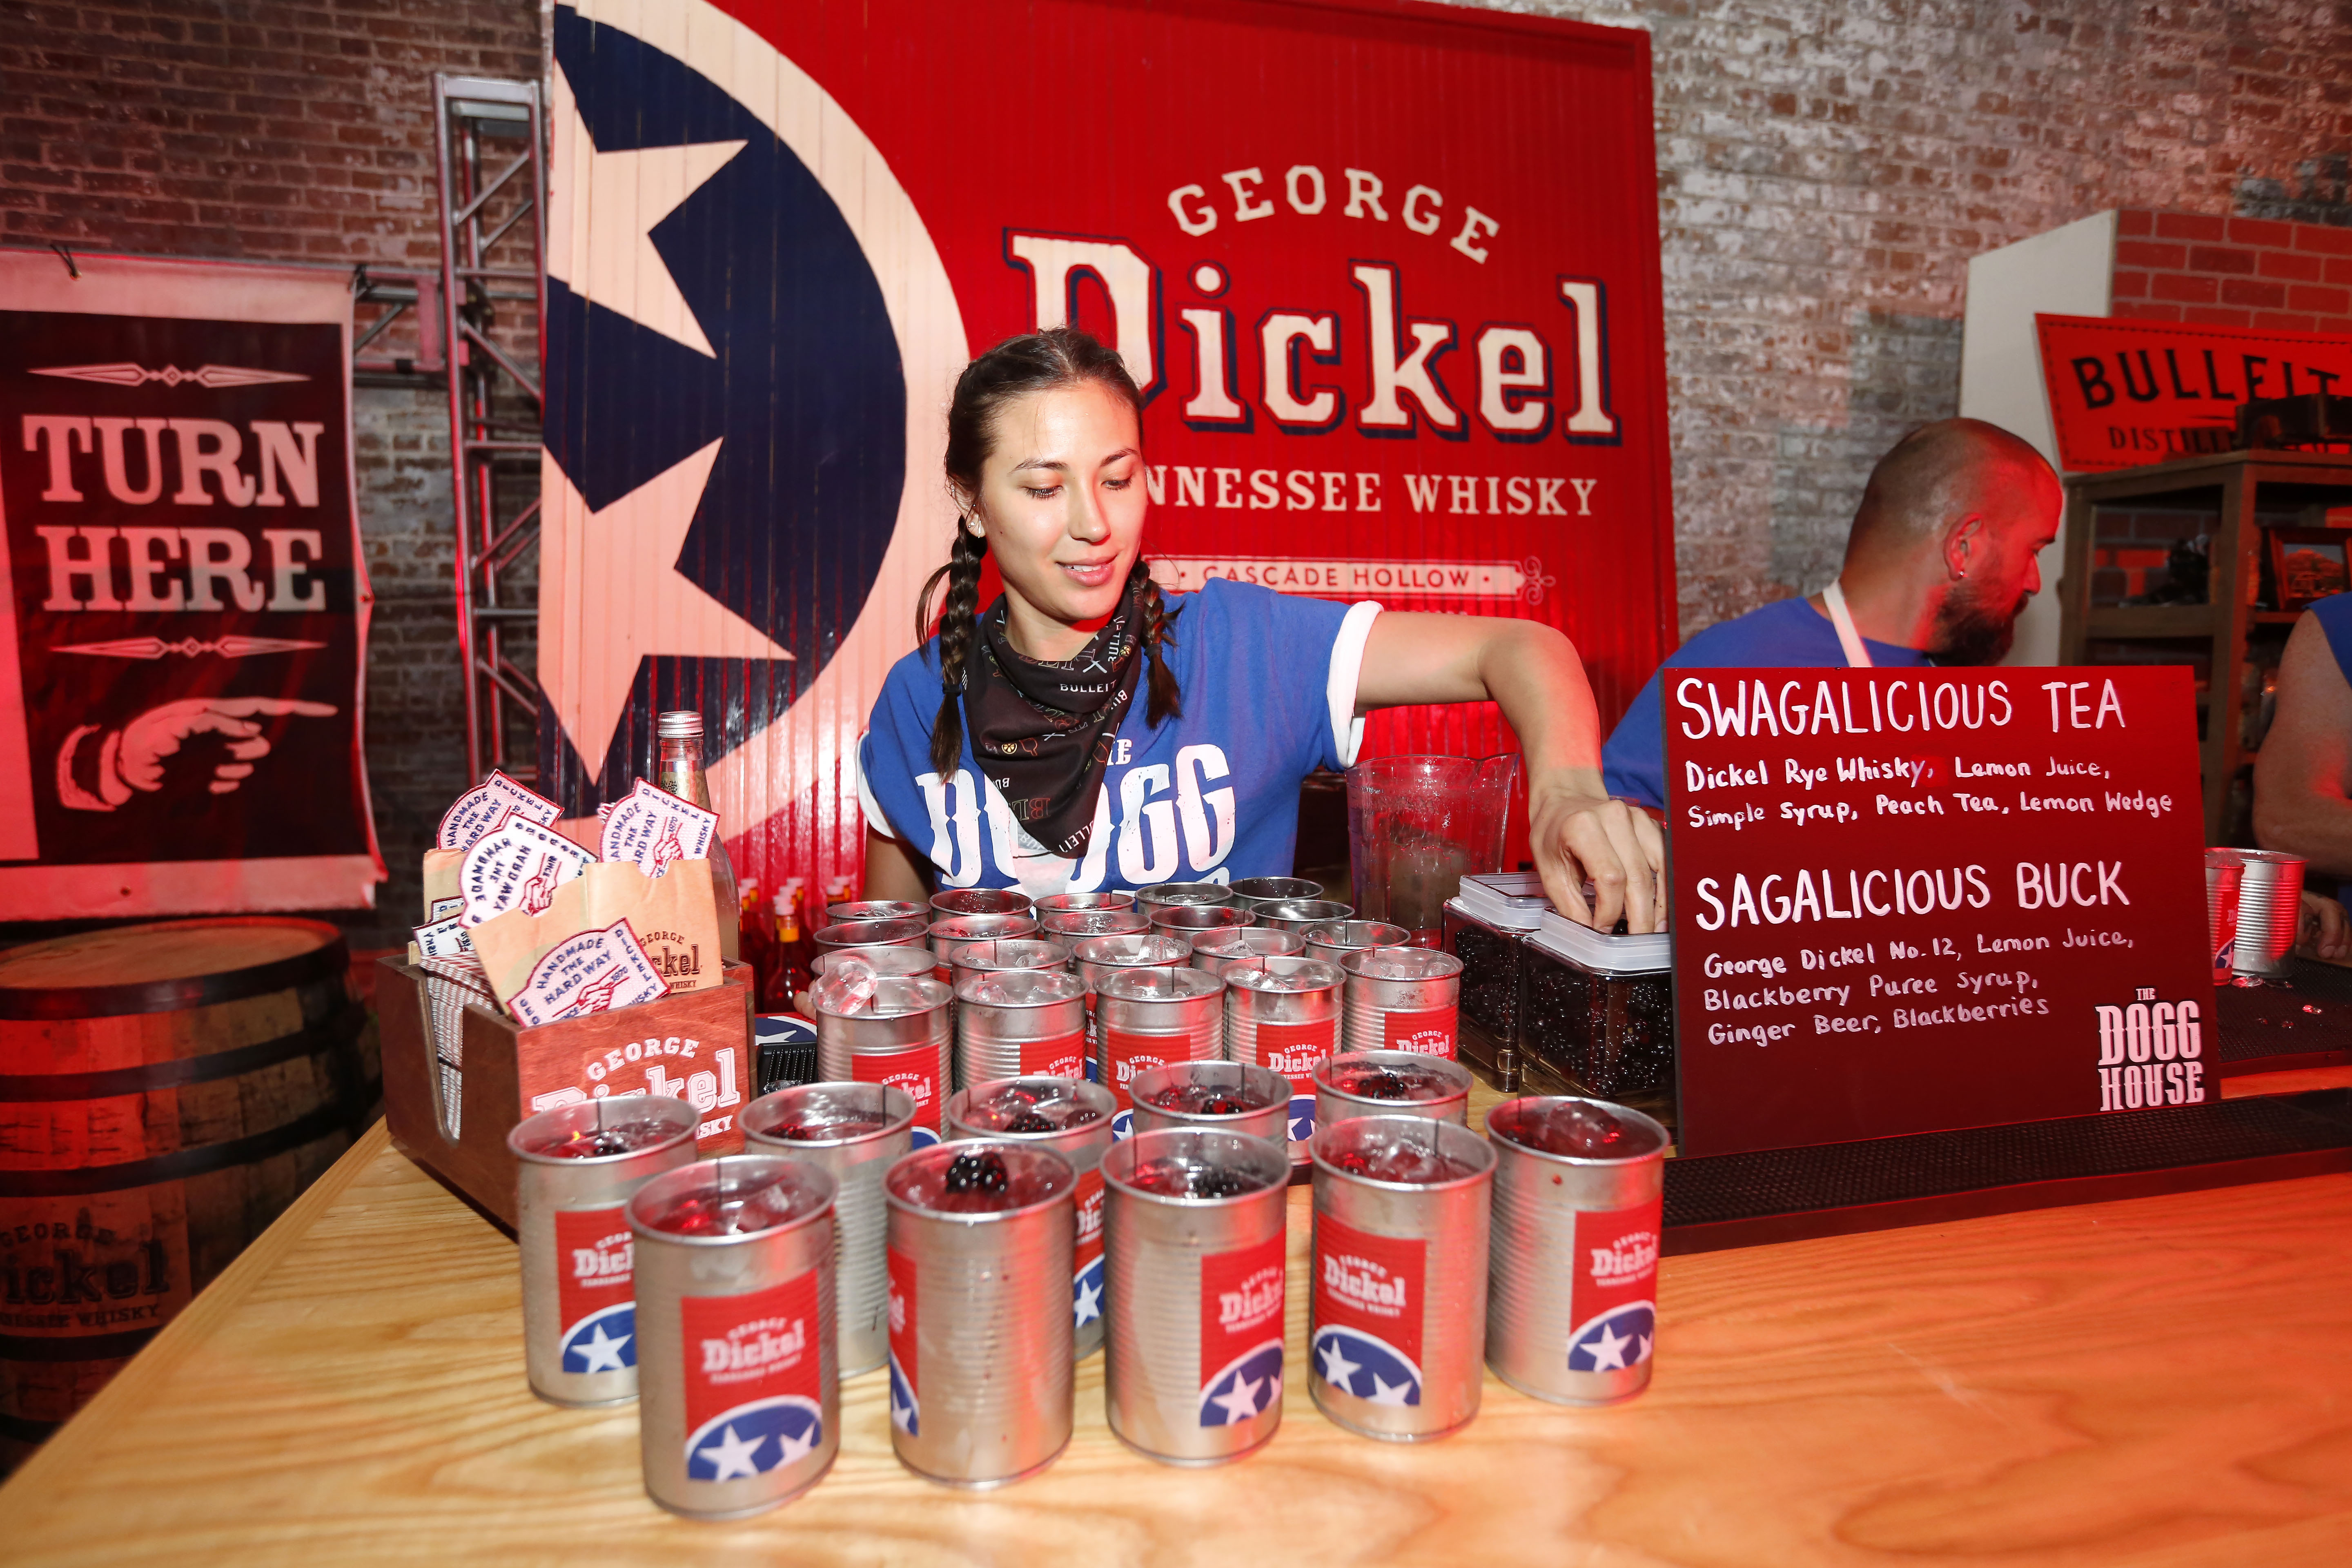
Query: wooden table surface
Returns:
{"type": "Point", "coordinates": [2163, 1381]}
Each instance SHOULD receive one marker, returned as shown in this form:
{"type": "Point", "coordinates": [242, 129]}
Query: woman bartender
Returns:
{"type": "Point", "coordinates": [1008, 751]}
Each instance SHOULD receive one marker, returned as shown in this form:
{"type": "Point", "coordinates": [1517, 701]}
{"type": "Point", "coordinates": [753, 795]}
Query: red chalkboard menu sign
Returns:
{"type": "Point", "coordinates": [1906, 901]}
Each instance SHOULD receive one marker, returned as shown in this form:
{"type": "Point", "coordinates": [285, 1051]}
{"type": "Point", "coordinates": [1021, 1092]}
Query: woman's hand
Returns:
{"type": "Point", "coordinates": [1579, 834]}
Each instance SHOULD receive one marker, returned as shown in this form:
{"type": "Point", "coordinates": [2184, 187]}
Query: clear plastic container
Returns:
{"type": "Point", "coordinates": [1599, 1013]}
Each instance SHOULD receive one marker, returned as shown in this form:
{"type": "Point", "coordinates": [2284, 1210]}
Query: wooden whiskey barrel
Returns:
{"type": "Point", "coordinates": [165, 1092]}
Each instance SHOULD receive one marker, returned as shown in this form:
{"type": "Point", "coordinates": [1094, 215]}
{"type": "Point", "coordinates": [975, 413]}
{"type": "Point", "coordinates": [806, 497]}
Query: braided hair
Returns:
{"type": "Point", "coordinates": [1016, 368]}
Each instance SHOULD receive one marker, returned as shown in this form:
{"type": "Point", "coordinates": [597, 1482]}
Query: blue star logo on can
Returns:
{"type": "Point", "coordinates": [923, 1138]}
{"type": "Point", "coordinates": [1618, 1339]}
{"type": "Point", "coordinates": [605, 1340]}
{"type": "Point", "coordinates": [1302, 1118]}
{"type": "Point", "coordinates": [1086, 1294]}
{"type": "Point", "coordinates": [906, 1412]}
{"type": "Point", "coordinates": [1122, 1126]}
{"type": "Point", "coordinates": [1250, 1385]}
{"type": "Point", "coordinates": [1354, 1361]}
{"type": "Point", "coordinates": [752, 1439]}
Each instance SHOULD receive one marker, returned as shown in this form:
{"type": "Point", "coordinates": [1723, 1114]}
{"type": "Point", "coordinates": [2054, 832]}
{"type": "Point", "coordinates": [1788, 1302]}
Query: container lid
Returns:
{"type": "Point", "coordinates": [1508, 901]}
{"type": "Point", "coordinates": [1602, 953]}
{"type": "Point", "coordinates": [1171, 985]}
{"type": "Point", "coordinates": [1020, 987]}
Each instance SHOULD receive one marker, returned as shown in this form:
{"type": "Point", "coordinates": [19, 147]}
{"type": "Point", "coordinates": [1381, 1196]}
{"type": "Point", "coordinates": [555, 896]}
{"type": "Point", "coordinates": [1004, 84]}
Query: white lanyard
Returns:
{"type": "Point", "coordinates": [1857, 656]}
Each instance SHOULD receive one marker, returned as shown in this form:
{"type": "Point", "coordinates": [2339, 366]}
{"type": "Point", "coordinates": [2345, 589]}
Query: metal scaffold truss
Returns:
{"type": "Point", "coordinates": [490, 138]}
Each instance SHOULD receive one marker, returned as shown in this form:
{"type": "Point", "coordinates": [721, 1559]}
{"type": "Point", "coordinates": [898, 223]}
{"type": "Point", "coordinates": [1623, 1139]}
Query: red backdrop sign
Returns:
{"type": "Point", "coordinates": [1907, 902]}
{"type": "Point", "coordinates": [1387, 273]}
{"type": "Point", "coordinates": [183, 614]}
{"type": "Point", "coordinates": [2124, 393]}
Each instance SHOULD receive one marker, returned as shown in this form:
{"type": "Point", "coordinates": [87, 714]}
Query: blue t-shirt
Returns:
{"type": "Point", "coordinates": [1786, 633]}
{"type": "Point", "coordinates": [2334, 614]}
{"type": "Point", "coordinates": [1269, 693]}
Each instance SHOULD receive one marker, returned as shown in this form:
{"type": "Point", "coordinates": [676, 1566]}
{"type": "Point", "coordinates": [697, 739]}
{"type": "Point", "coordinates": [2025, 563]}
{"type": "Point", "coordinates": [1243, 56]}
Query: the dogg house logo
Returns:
{"type": "Point", "coordinates": [2151, 1053]}
{"type": "Point", "coordinates": [1384, 355]}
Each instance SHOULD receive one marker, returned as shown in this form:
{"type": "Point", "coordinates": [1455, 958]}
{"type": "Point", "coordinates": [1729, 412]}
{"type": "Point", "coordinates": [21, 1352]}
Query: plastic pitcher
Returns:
{"type": "Point", "coordinates": [1416, 826]}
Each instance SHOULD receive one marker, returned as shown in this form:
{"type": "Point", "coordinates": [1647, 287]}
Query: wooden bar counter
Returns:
{"type": "Point", "coordinates": [2162, 1380]}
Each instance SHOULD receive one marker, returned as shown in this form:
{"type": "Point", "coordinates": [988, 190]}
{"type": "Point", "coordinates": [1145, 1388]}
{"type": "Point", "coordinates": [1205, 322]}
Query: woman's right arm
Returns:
{"type": "Point", "coordinates": [891, 872]}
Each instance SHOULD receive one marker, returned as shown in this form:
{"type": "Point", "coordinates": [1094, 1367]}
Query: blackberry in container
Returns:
{"type": "Point", "coordinates": [1485, 926]}
{"type": "Point", "coordinates": [1601, 1016]}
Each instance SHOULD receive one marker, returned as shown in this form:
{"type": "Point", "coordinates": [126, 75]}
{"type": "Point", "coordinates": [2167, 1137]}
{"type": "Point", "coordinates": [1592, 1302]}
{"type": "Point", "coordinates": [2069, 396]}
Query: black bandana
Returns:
{"type": "Point", "coordinates": [1043, 731]}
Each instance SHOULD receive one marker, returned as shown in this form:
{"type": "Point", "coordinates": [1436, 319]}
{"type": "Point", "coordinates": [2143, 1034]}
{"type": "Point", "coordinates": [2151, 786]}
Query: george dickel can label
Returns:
{"type": "Point", "coordinates": [576, 1167]}
{"type": "Point", "coordinates": [739, 1403]}
{"type": "Point", "coordinates": [1194, 1375]}
{"type": "Point", "coordinates": [853, 1133]}
{"type": "Point", "coordinates": [890, 1030]}
{"type": "Point", "coordinates": [1572, 1276]}
{"type": "Point", "coordinates": [1072, 1118]}
{"type": "Point", "coordinates": [1283, 1014]}
{"type": "Point", "coordinates": [1397, 1317]}
{"type": "Point", "coordinates": [982, 1378]}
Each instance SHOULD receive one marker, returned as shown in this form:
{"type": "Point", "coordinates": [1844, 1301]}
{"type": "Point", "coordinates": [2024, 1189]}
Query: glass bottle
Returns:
{"type": "Point", "coordinates": [679, 735]}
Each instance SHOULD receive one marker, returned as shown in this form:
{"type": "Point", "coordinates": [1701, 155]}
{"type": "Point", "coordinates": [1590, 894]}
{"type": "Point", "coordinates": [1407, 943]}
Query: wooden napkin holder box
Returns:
{"type": "Point", "coordinates": [694, 1043]}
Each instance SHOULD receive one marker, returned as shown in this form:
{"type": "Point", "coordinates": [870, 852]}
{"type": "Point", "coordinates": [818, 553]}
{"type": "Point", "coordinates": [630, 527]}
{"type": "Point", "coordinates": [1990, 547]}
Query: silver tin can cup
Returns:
{"type": "Point", "coordinates": [852, 1131]}
{"type": "Point", "coordinates": [2223, 874]}
{"type": "Point", "coordinates": [1403, 999]}
{"type": "Point", "coordinates": [739, 1403]}
{"type": "Point", "coordinates": [1097, 957]}
{"type": "Point", "coordinates": [953, 932]}
{"type": "Point", "coordinates": [998, 956]}
{"type": "Point", "coordinates": [1390, 1083]}
{"type": "Point", "coordinates": [2270, 908]}
{"type": "Point", "coordinates": [909, 959]}
{"type": "Point", "coordinates": [981, 1380]}
{"type": "Point", "coordinates": [1020, 1022]}
{"type": "Point", "coordinates": [1571, 1302]}
{"type": "Point", "coordinates": [1062, 903]}
{"type": "Point", "coordinates": [1283, 1014]}
{"type": "Point", "coordinates": [877, 910]}
{"type": "Point", "coordinates": [952, 901]}
{"type": "Point", "coordinates": [1213, 950]}
{"type": "Point", "coordinates": [1072, 1118]}
{"type": "Point", "coordinates": [869, 934]}
{"type": "Point", "coordinates": [1145, 1018]}
{"type": "Point", "coordinates": [1252, 891]}
{"type": "Point", "coordinates": [1296, 914]}
{"type": "Point", "coordinates": [1193, 895]}
{"type": "Point", "coordinates": [1076, 925]}
{"type": "Point", "coordinates": [1227, 1097]}
{"type": "Point", "coordinates": [1334, 940]}
{"type": "Point", "coordinates": [1195, 1268]}
{"type": "Point", "coordinates": [1191, 922]}
{"type": "Point", "coordinates": [899, 1034]}
{"type": "Point", "coordinates": [579, 1332]}
{"type": "Point", "coordinates": [1397, 1302]}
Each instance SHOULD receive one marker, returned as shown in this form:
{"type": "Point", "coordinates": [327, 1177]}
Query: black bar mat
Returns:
{"type": "Point", "coordinates": [1737, 1200]}
{"type": "Point", "coordinates": [2309, 1018]}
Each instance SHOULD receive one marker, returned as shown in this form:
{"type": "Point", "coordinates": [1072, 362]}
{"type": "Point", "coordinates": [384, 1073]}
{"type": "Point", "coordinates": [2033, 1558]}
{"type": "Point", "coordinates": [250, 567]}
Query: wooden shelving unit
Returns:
{"type": "Point", "coordinates": [2234, 487]}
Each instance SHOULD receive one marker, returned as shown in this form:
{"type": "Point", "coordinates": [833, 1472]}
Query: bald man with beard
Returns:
{"type": "Point", "coordinates": [1940, 562]}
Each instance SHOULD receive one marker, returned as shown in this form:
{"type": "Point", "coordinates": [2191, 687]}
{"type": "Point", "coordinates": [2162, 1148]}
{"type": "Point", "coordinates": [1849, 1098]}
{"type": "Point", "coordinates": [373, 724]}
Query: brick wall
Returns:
{"type": "Point", "coordinates": [287, 130]}
{"type": "Point", "coordinates": [2233, 271]}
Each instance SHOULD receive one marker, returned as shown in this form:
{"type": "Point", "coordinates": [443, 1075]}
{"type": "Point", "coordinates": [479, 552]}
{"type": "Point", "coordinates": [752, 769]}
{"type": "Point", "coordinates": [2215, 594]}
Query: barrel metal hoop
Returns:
{"type": "Point", "coordinates": [329, 1033]}
{"type": "Point", "coordinates": [33, 1004]}
{"type": "Point", "coordinates": [82, 1347]}
{"type": "Point", "coordinates": [332, 1116]}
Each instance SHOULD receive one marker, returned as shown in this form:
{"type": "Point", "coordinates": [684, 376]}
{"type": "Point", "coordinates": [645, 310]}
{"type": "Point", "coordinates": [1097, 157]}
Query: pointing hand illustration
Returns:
{"type": "Point", "coordinates": [132, 759]}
